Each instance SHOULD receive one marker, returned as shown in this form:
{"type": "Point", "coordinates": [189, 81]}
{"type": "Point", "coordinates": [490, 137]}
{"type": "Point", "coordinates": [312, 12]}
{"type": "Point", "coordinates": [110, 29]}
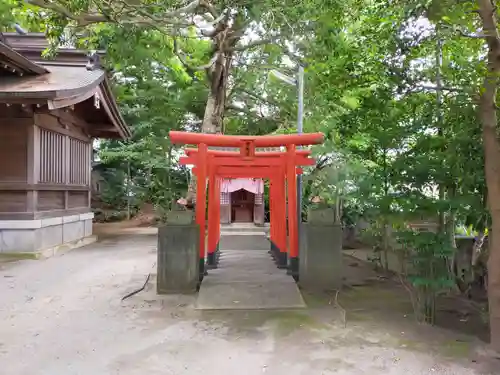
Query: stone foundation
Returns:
{"type": "Point", "coordinates": [33, 236]}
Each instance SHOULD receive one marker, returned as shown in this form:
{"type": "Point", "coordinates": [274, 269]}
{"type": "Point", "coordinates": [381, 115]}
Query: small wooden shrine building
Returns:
{"type": "Point", "coordinates": [50, 112]}
{"type": "Point", "coordinates": [242, 201]}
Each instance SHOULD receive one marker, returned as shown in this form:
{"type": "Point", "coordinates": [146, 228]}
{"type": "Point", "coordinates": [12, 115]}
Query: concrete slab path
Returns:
{"type": "Point", "coordinates": [248, 279]}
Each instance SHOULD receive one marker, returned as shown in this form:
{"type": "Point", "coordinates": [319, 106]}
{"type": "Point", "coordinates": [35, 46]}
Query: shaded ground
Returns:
{"type": "Point", "coordinates": [64, 315]}
{"type": "Point", "coordinates": [453, 311]}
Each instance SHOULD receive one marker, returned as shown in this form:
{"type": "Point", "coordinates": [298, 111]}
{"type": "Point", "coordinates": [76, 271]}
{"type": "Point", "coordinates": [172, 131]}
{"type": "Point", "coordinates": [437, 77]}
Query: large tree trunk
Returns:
{"type": "Point", "coordinates": [214, 112]}
{"type": "Point", "coordinates": [213, 118]}
{"type": "Point", "coordinates": [488, 116]}
{"type": "Point", "coordinates": [492, 157]}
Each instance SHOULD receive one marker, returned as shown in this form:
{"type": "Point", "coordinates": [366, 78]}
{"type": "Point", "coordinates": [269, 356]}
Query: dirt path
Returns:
{"type": "Point", "coordinates": [64, 316]}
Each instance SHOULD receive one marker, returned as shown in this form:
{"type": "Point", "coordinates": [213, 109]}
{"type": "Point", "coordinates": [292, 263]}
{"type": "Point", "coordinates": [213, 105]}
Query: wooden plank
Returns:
{"type": "Point", "coordinates": [67, 164]}
{"type": "Point", "coordinates": [32, 165]}
{"type": "Point", "coordinates": [16, 113]}
{"type": "Point", "coordinates": [18, 186]}
{"type": "Point", "coordinates": [68, 115]}
{"type": "Point", "coordinates": [31, 201]}
{"type": "Point", "coordinates": [13, 201]}
{"type": "Point", "coordinates": [50, 200]}
{"type": "Point", "coordinates": [78, 199]}
{"type": "Point", "coordinates": [13, 149]}
{"type": "Point", "coordinates": [51, 122]}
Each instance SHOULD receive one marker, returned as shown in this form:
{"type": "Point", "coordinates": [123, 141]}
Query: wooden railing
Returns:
{"type": "Point", "coordinates": [52, 147]}
{"type": "Point", "coordinates": [79, 166]}
{"type": "Point", "coordinates": [63, 159]}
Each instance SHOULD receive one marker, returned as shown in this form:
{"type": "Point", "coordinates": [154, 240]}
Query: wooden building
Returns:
{"type": "Point", "coordinates": [242, 201]}
{"type": "Point", "coordinates": [50, 110]}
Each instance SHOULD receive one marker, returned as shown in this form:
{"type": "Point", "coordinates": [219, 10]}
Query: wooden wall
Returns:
{"type": "Point", "coordinates": [45, 163]}
{"type": "Point", "coordinates": [15, 122]}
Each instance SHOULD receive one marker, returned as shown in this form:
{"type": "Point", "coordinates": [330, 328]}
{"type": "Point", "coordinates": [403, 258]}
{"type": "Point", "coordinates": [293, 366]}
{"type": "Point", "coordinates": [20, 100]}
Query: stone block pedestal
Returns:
{"type": "Point", "coordinates": [178, 262]}
{"type": "Point", "coordinates": [320, 266]}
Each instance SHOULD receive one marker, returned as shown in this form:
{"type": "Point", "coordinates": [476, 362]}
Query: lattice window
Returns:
{"type": "Point", "coordinates": [224, 198]}
{"type": "Point", "coordinates": [51, 157]}
{"type": "Point", "coordinates": [79, 162]}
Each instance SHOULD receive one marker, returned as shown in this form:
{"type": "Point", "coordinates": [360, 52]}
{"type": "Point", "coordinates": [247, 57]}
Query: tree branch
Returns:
{"type": "Point", "coordinates": [472, 36]}
{"type": "Point", "coordinates": [487, 13]}
{"type": "Point", "coordinates": [127, 14]}
{"type": "Point", "coordinates": [215, 21]}
{"type": "Point", "coordinates": [82, 19]}
{"type": "Point", "coordinates": [463, 33]}
{"type": "Point", "coordinates": [435, 88]}
{"type": "Point", "coordinates": [209, 64]}
{"type": "Point", "coordinates": [211, 9]}
{"type": "Point", "coordinates": [233, 107]}
{"type": "Point", "coordinates": [189, 8]}
{"type": "Point", "coordinates": [191, 69]}
{"type": "Point", "coordinates": [250, 45]}
{"type": "Point", "coordinates": [262, 99]}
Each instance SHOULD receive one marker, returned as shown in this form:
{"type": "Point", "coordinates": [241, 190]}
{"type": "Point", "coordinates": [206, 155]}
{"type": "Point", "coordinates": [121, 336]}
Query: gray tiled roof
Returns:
{"type": "Point", "coordinates": [61, 79]}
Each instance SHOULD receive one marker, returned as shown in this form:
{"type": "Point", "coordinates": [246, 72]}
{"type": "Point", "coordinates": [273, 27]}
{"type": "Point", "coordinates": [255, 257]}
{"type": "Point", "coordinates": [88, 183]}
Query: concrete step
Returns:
{"type": "Point", "coordinates": [235, 241]}
{"type": "Point", "coordinates": [242, 228]}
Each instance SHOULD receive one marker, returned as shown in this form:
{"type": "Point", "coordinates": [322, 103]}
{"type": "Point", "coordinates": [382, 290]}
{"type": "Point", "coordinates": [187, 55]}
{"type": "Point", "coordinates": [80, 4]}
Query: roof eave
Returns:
{"type": "Point", "coordinates": [20, 61]}
{"type": "Point", "coordinates": [113, 111]}
{"type": "Point", "coordinates": [60, 94]}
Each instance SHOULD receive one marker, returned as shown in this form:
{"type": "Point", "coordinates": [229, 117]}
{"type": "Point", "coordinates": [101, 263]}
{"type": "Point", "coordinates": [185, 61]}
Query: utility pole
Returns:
{"type": "Point", "coordinates": [300, 128]}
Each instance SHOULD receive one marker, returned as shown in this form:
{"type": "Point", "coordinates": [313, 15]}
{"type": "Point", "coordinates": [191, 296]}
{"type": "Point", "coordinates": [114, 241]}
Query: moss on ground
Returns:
{"type": "Point", "coordinates": [13, 257]}
{"type": "Point", "coordinates": [288, 322]}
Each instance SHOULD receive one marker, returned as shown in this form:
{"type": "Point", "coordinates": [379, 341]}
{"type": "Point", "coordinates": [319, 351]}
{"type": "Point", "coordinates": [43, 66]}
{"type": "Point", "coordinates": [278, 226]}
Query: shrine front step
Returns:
{"type": "Point", "coordinates": [242, 229]}
{"type": "Point", "coordinates": [243, 242]}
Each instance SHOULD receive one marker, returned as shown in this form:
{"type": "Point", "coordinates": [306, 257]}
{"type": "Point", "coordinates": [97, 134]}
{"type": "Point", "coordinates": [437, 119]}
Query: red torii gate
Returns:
{"type": "Point", "coordinates": [279, 167]}
{"type": "Point", "coordinates": [225, 168]}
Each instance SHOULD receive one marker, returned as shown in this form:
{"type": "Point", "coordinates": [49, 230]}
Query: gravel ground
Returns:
{"type": "Point", "coordinates": [64, 316]}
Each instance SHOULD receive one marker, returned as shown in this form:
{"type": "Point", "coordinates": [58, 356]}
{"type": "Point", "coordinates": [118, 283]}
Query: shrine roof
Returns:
{"type": "Point", "coordinates": [72, 78]}
{"type": "Point", "coordinates": [14, 64]}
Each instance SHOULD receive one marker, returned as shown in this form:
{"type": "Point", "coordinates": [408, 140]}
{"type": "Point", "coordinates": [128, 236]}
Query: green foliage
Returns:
{"type": "Point", "coordinates": [7, 16]}
{"type": "Point", "coordinates": [113, 188]}
{"type": "Point", "coordinates": [429, 256]}
{"type": "Point", "coordinates": [155, 96]}
{"type": "Point", "coordinates": [373, 75]}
